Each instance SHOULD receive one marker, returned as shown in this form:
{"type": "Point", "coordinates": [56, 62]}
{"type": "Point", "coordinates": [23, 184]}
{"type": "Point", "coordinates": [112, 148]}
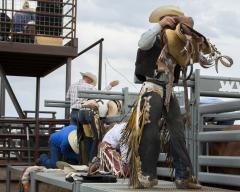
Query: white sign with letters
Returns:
{"type": "Point", "coordinates": [229, 86]}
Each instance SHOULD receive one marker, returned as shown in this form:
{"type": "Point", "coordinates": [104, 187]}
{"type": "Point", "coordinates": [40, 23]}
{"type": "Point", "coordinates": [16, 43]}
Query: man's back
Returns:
{"type": "Point", "coordinates": [72, 93]}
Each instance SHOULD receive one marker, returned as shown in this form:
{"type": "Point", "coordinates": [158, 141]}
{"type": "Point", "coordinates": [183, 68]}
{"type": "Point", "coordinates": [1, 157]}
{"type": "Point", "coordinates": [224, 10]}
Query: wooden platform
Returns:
{"type": "Point", "coordinates": [32, 60]}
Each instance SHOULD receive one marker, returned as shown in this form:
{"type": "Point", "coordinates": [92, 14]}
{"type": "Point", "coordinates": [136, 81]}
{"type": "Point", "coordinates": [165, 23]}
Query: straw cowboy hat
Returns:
{"type": "Point", "coordinates": [67, 168]}
{"type": "Point", "coordinates": [91, 76]}
{"type": "Point", "coordinates": [25, 5]}
{"type": "Point", "coordinates": [167, 10]}
{"type": "Point", "coordinates": [73, 141]}
{"type": "Point", "coordinates": [72, 137]}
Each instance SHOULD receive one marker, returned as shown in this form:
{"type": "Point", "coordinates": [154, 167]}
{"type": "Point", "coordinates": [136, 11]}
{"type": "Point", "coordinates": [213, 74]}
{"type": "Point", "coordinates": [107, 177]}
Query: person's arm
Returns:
{"type": "Point", "coordinates": [111, 85]}
{"type": "Point", "coordinates": [148, 38]}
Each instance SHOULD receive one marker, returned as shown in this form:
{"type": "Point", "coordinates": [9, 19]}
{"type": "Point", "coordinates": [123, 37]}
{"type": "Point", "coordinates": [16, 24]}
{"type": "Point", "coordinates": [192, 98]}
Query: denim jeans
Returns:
{"type": "Point", "coordinates": [74, 116]}
{"type": "Point", "coordinates": [87, 116]}
{"type": "Point", "coordinates": [55, 155]}
{"type": "Point", "coordinates": [181, 171]}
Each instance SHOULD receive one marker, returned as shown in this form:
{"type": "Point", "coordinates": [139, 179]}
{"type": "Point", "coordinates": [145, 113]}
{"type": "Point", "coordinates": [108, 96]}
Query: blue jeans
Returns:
{"type": "Point", "coordinates": [55, 155]}
{"type": "Point", "coordinates": [74, 117]}
{"type": "Point", "coordinates": [86, 116]}
{"type": "Point", "coordinates": [180, 169]}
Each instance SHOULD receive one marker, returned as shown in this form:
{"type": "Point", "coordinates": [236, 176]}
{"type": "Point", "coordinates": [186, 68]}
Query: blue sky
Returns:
{"type": "Point", "coordinates": [121, 23]}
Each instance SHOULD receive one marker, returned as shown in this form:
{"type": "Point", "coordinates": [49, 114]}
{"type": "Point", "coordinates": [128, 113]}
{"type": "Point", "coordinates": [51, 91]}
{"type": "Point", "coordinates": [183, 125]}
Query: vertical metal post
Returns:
{"type": "Point", "coordinates": [68, 83]}
{"type": "Point", "coordinates": [2, 98]}
{"type": "Point", "coordinates": [37, 118]}
{"type": "Point", "coordinates": [197, 118]}
{"type": "Point", "coordinates": [8, 177]}
{"type": "Point", "coordinates": [33, 186]}
{"type": "Point", "coordinates": [76, 186]}
{"type": "Point", "coordinates": [11, 93]}
{"type": "Point", "coordinates": [100, 66]}
{"type": "Point", "coordinates": [125, 101]}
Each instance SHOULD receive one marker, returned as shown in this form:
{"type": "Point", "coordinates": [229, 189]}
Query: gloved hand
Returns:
{"type": "Point", "coordinates": [114, 83]}
{"type": "Point", "coordinates": [73, 176]}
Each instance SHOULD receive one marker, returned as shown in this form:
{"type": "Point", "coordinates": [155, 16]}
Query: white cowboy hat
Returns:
{"type": "Point", "coordinates": [25, 5]}
{"type": "Point", "coordinates": [73, 141]}
{"type": "Point", "coordinates": [166, 10]}
{"type": "Point", "coordinates": [71, 168]}
{"type": "Point", "coordinates": [72, 137]}
{"type": "Point", "coordinates": [91, 76]}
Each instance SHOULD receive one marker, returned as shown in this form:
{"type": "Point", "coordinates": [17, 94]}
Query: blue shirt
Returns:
{"type": "Point", "coordinates": [20, 20]}
{"type": "Point", "coordinates": [60, 139]}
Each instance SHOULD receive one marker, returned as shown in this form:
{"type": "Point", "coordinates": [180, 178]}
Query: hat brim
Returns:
{"type": "Point", "coordinates": [62, 165]}
{"type": "Point", "coordinates": [94, 82]}
{"type": "Point", "coordinates": [72, 137]}
{"type": "Point", "coordinates": [164, 11]}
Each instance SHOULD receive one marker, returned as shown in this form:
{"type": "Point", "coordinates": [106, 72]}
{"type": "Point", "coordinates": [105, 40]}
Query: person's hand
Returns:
{"type": "Point", "coordinates": [114, 83]}
{"type": "Point", "coordinates": [167, 21]}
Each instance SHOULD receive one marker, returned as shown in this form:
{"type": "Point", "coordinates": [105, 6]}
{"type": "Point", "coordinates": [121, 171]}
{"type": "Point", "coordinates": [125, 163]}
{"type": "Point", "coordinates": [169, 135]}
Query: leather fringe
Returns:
{"type": "Point", "coordinates": [132, 135]}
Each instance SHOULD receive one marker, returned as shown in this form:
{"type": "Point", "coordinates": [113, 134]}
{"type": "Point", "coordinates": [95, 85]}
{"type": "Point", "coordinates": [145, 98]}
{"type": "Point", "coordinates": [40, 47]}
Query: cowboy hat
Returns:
{"type": "Point", "coordinates": [71, 168]}
{"type": "Point", "coordinates": [25, 5]}
{"type": "Point", "coordinates": [72, 137]}
{"type": "Point", "coordinates": [166, 10]}
{"type": "Point", "coordinates": [177, 41]}
{"type": "Point", "coordinates": [91, 76]}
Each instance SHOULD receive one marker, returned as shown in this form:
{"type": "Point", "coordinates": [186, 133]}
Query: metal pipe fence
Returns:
{"type": "Point", "coordinates": [39, 22]}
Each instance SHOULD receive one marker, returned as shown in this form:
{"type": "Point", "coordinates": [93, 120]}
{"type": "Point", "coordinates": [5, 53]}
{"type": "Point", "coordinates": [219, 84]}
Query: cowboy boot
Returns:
{"type": "Point", "coordinates": [147, 181]}
{"type": "Point", "coordinates": [190, 183]}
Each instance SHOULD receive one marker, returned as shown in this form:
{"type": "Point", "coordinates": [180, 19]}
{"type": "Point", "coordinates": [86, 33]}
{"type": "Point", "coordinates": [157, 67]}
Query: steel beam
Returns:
{"type": "Point", "coordinates": [220, 107]}
{"type": "Point", "coordinates": [37, 118]}
{"type": "Point", "coordinates": [223, 116]}
{"type": "Point", "coordinates": [67, 85]}
{"type": "Point", "coordinates": [219, 94]}
{"type": "Point", "coordinates": [219, 78]}
{"type": "Point", "coordinates": [100, 66]}
{"type": "Point", "coordinates": [219, 161]}
{"type": "Point", "coordinates": [222, 179]}
{"type": "Point", "coordinates": [219, 136]}
{"type": "Point", "coordinates": [90, 47]}
{"type": "Point", "coordinates": [2, 98]}
{"type": "Point", "coordinates": [11, 93]}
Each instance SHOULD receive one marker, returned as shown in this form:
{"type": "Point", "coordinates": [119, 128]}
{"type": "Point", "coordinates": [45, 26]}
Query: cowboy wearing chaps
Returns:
{"type": "Point", "coordinates": [164, 51]}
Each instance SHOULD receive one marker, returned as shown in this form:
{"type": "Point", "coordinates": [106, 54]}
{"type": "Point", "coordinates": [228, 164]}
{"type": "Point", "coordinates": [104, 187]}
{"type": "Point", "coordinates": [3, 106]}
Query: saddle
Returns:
{"type": "Point", "coordinates": [187, 46]}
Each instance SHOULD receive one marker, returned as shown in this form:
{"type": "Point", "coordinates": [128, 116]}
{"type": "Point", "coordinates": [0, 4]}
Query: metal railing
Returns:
{"type": "Point", "coordinates": [39, 22]}
{"type": "Point", "coordinates": [18, 137]}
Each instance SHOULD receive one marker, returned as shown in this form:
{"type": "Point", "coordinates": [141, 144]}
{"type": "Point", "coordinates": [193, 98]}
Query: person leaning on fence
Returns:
{"type": "Point", "coordinates": [88, 82]}
{"type": "Point", "coordinates": [157, 105]}
{"type": "Point", "coordinates": [63, 146]}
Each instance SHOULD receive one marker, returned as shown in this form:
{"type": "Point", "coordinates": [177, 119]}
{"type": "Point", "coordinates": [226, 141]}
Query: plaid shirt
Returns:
{"type": "Point", "coordinates": [72, 94]}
